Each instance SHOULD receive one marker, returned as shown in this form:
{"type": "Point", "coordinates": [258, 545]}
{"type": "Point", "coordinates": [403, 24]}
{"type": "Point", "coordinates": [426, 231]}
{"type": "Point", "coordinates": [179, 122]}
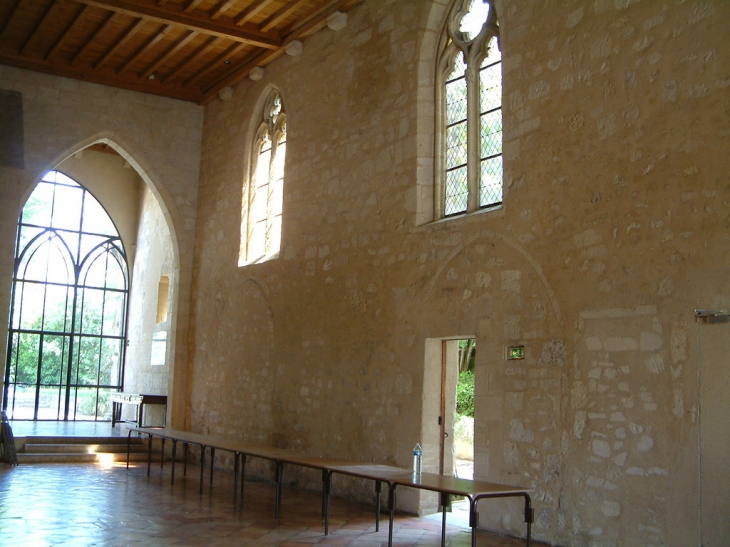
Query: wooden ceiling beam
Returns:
{"type": "Point", "coordinates": [191, 5]}
{"type": "Point", "coordinates": [172, 50]}
{"type": "Point", "coordinates": [221, 8]}
{"type": "Point", "coordinates": [10, 17]}
{"type": "Point", "coordinates": [202, 50]}
{"type": "Point", "coordinates": [235, 48]}
{"type": "Point", "coordinates": [99, 31]}
{"type": "Point", "coordinates": [66, 32]}
{"type": "Point", "coordinates": [247, 14]}
{"type": "Point", "coordinates": [80, 73]}
{"type": "Point", "coordinates": [174, 16]}
{"type": "Point", "coordinates": [151, 42]}
{"type": "Point", "coordinates": [280, 15]}
{"type": "Point", "coordinates": [242, 69]}
{"type": "Point", "coordinates": [39, 27]}
{"type": "Point", "coordinates": [328, 7]}
{"type": "Point", "coordinates": [128, 35]}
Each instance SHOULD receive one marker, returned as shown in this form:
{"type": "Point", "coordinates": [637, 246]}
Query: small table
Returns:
{"type": "Point", "coordinates": [138, 399]}
{"type": "Point", "coordinates": [473, 490]}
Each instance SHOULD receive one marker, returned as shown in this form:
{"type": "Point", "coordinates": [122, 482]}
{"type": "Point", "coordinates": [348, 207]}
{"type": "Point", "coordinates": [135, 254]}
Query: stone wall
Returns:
{"type": "Point", "coordinates": [159, 138]}
{"type": "Point", "coordinates": [614, 229]}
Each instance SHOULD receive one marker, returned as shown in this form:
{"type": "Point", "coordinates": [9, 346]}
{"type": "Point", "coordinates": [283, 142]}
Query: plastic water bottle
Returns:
{"type": "Point", "coordinates": [417, 456]}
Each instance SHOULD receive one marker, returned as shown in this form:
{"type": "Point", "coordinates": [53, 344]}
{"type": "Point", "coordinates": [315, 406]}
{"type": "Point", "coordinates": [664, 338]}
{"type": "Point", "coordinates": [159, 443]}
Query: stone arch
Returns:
{"type": "Point", "coordinates": [490, 235]}
{"type": "Point", "coordinates": [236, 363]}
{"type": "Point", "coordinates": [138, 161]}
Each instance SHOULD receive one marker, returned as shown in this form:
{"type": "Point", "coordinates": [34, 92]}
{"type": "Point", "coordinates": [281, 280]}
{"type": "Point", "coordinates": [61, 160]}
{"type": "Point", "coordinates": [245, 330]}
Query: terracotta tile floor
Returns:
{"type": "Point", "coordinates": [86, 504]}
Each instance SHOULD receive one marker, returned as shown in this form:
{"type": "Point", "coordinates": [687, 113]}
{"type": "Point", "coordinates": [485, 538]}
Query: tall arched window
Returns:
{"type": "Point", "coordinates": [263, 196]}
{"type": "Point", "coordinates": [469, 111]}
{"type": "Point", "coordinates": [69, 306]}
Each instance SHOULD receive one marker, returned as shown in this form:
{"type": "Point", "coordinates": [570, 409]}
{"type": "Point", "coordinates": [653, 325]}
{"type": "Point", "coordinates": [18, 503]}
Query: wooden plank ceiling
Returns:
{"type": "Point", "coordinates": [184, 49]}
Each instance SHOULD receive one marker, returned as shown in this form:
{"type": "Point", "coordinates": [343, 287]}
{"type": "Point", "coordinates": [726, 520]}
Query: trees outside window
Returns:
{"type": "Point", "coordinates": [69, 306]}
{"type": "Point", "coordinates": [469, 112]}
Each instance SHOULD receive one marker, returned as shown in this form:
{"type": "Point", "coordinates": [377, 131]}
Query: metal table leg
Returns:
{"type": "Point", "coordinates": [129, 440]}
{"type": "Point", "coordinates": [174, 451]}
{"type": "Point", "coordinates": [326, 493]}
{"type": "Point", "coordinates": [391, 503]}
{"type": "Point", "coordinates": [243, 475]}
{"type": "Point", "coordinates": [378, 489]}
{"type": "Point", "coordinates": [185, 459]}
{"type": "Point", "coordinates": [279, 476]}
{"type": "Point", "coordinates": [149, 453]}
{"type": "Point", "coordinates": [202, 466]}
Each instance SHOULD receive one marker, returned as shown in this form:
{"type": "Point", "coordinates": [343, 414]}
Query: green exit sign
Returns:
{"type": "Point", "coordinates": [515, 352]}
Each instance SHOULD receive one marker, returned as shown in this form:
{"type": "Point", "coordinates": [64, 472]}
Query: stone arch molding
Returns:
{"type": "Point", "coordinates": [488, 235]}
{"type": "Point", "coordinates": [141, 165]}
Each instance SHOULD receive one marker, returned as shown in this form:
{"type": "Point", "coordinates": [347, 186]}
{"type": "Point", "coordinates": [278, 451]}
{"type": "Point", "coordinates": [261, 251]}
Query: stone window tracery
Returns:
{"type": "Point", "coordinates": [261, 227]}
{"type": "Point", "coordinates": [469, 112]}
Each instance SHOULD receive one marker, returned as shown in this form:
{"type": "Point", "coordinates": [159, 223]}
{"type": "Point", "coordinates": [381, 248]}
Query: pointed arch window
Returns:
{"type": "Point", "coordinates": [469, 112]}
{"type": "Point", "coordinates": [264, 195]}
{"type": "Point", "coordinates": [68, 307]}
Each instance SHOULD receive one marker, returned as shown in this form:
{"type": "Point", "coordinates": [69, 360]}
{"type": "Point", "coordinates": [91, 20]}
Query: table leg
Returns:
{"type": "Point", "coordinates": [529, 518]}
{"type": "Point", "coordinates": [326, 492]}
{"type": "Point", "coordinates": [473, 521]}
{"type": "Point", "coordinates": [185, 459]}
{"type": "Point", "coordinates": [391, 504]}
{"type": "Point", "coordinates": [235, 477]}
{"type": "Point", "coordinates": [212, 459]}
{"type": "Point", "coordinates": [202, 466]}
{"type": "Point", "coordinates": [129, 440]}
{"type": "Point", "coordinates": [149, 453]}
{"type": "Point", "coordinates": [444, 504]}
{"type": "Point", "coordinates": [243, 475]}
{"type": "Point", "coordinates": [279, 476]}
{"type": "Point", "coordinates": [174, 451]}
{"type": "Point", "coordinates": [162, 453]}
{"type": "Point", "coordinates": [378, 489]}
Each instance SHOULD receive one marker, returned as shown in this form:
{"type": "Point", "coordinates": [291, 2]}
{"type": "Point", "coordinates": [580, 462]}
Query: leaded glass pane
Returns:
{"type": "Point", "coordinates": [490, 83]}
{"type": "Point", "coordinates": [490, 188]}
{"type": "Point", "coordinates": [491, 134]}
{"type": "Point", "coordinates": [457, 191]}
{"type": "Point", "coordinates": [456, 137]}
{"type": "Point", "coordinates": [456, 92]}
{"type": "Point", "coordinates": [493, 53]}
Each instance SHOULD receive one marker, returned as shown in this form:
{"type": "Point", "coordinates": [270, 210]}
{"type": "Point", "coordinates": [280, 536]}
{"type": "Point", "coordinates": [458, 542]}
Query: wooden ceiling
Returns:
{"type": "Point", "coordinates": [184, 49]}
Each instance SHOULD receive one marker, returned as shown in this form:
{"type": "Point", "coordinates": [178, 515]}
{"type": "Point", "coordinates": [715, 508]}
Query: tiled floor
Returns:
{"type": "Point", "coordinates": [87, 505]}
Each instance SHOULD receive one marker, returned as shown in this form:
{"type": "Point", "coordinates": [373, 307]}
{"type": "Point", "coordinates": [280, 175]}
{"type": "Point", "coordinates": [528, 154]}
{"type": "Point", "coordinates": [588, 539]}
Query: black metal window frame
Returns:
{"type": "Point", "coordinates": [75, 333]}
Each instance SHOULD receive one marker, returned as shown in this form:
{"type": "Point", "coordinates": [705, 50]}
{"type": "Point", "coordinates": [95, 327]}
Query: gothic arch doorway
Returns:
{"type": "Point", "coordinates": [68, 314]}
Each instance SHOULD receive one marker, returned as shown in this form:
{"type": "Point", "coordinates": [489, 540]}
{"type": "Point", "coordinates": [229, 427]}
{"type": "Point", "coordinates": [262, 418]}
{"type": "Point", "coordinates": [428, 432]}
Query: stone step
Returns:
{"type": "Point", "coordinates": [81, 440]}
{"type": "Point", "coordinates": [26, 457]}
{"type": "Point", "coordinates": [79, 448]}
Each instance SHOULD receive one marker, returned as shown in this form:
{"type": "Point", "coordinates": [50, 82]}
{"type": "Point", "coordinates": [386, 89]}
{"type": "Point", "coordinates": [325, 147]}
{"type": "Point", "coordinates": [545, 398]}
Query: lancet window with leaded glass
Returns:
{"type": "Point", "coordinates": [262, 216]}
{"type": "Point", "coordinates": [469, 112]}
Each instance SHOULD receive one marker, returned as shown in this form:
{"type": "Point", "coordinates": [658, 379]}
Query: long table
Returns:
{"type": "Point", "coordinates": [446, 486]}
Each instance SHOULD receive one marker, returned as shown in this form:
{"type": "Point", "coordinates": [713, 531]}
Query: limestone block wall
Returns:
{"type": "Point", "coordinates": [614, 229]}
{"type": "Point", "coordinates": [160, 138]}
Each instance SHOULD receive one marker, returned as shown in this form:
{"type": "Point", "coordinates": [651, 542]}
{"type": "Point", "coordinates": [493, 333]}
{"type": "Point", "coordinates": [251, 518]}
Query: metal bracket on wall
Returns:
{"type": "Point", "coordinates": [713, 316]}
